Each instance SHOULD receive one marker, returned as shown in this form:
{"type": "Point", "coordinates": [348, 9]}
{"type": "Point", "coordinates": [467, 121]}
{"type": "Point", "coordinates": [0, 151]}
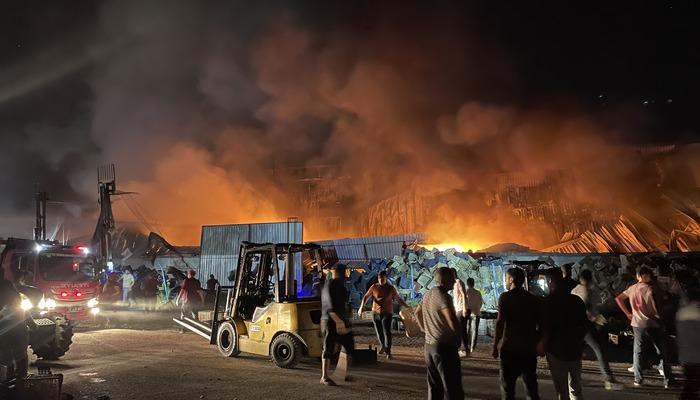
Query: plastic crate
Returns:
{"type": "Point", "coordinates": [41, 387]}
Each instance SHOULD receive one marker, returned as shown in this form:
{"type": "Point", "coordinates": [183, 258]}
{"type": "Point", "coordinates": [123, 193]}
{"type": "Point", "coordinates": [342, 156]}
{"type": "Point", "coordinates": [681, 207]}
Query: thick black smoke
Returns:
{"type": "Point", "coordinates": [198, 103]}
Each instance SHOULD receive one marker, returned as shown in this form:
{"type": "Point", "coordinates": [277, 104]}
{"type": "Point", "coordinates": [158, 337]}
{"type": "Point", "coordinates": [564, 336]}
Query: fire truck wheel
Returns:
{"type": "Point", "coordinates": [227, 339]}
{"type": "Point", "coordinates": [52, 347]}
{"type": "Point", "coordinates": [286, 350]}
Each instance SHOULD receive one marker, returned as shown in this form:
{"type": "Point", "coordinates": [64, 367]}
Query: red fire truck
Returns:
{"type": "Point", "coordinates": [65, 275]}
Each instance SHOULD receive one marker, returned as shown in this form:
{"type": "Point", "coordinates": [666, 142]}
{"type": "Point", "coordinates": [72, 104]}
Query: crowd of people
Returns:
{"type": "Point", "coordinates": [557, 327]}
{"type": "Point", "coordinates": [142, 287]}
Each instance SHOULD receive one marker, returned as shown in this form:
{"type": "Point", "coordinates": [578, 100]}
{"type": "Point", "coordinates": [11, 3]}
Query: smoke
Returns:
{"type": "Point", "coordinates": [204, 107]}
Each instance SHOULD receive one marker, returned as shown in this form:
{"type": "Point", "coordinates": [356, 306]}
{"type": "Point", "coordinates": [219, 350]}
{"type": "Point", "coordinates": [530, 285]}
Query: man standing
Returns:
{"type": "Point", "coordinates": [474, 303]}
{"type": "Point", "coordinates": [436, 317]}
{"type": "Point", "coordinates": [564, 326]}
{"type": "Point", "coordinates": [459, 300]}
{"type": "Point", "coordinates": [335, 324]}
{"type": "Point", "coordinates": [688, 326]}
{"type": "Point", "coordinates": [212, 284]}
{"type": "Point", "coordinates": [646, 322]}
{"type": "Point", "coordinates": [149, 290]}
{"type": "Point", "coordinates": [569, 282]}
{"type": "Point", "coordinates": [518, 325]}
{"type": "Point", "coordinates": [383, 296]}
{"type": "Point", "coordinates": [127, 283]}
{"type": "Point", "coordinates": [583, 290]}
{"type": "Point", "coordinates": [190, 296]}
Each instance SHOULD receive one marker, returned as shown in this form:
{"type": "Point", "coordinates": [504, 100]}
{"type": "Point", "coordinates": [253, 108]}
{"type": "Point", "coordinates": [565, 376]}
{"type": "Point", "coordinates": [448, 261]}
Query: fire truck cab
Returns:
{"type": "Point", "coordinates": [65, 275]}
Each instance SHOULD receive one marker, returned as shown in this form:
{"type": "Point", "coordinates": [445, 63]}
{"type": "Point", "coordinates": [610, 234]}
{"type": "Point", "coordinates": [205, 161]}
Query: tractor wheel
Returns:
{"type": "Point", "coordinates": [227, 339]}
{"type": "Point", "coordinates": [52, 345]}
{"type": "Point", "coordinates": [286, 350]}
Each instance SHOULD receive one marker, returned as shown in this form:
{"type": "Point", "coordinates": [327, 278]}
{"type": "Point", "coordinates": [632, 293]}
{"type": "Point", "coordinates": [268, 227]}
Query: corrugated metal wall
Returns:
{"type": "Point", "coordinates": [221, 244]}
{"type": "Point", "coordinates": [361, 250]}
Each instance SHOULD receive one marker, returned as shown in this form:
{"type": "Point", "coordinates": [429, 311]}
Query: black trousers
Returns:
{"type": "Point", "coordinates": [444, 372]}
{"type": "Point", "coordinates": [464, 332]}
{"type": "Point", "coordinates": [382, 325]}
{"type": "Point", "coordinates": [331, 339]}
{"type": "Point", "coordinates": [514, 365]}
{"type": "Point", "coordinates": [691, 386]}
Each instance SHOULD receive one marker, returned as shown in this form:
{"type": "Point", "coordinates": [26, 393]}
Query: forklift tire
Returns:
{"type": "Point", "coordinates": [227, 339]}
{"type": "Point", "coordinates": [53, 346]}
{"type": "Point", "coordinates": [286, 350]}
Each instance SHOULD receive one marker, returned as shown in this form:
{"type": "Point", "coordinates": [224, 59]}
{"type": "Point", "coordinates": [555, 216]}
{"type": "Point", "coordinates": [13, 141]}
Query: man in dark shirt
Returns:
{"type": "Point", "coordinates": [335, 324]}
{"type": "Point", "coordinates": [568, 282]}
{"type": "Point", "coordinates": [518, 326]}
{"type": "Point", "coordinates": [14, 337]}
{"type": "Point", "coordinates": [437, 318]}
{"type": "Point", "coordinates": [212, 283]}
{"type": "Point", "coordinates": [565, 324]}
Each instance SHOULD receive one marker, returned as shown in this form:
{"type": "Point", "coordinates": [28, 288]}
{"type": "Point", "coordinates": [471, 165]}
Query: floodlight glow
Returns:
{"type": "Point", "coordinates": [26, 304]}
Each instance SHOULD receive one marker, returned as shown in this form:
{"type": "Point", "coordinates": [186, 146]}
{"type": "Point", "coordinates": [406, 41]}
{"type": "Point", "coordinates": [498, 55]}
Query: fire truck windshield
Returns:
{"type": "Point", "coordinates": [63, 267]}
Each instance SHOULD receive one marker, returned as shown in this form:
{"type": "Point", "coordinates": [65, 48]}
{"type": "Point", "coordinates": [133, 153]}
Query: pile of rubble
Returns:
{"type": "Point", "coordinates": [412, 272]}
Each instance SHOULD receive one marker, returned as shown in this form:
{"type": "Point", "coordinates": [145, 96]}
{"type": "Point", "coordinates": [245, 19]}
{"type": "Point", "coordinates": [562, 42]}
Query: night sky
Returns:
{"type": "Point", "coordinates": [633, 67]}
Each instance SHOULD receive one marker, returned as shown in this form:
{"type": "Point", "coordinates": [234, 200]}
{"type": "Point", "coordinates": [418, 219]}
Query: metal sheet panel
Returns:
{"type": "Point", "coordinates": [363, 249]}
{"type": "Point", "coordinates": [220, 244]}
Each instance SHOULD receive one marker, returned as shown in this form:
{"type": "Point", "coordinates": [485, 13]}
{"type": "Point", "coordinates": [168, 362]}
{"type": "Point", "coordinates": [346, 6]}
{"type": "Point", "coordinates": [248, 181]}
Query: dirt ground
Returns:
{"type": "Point", "coordinates": [147, 358]}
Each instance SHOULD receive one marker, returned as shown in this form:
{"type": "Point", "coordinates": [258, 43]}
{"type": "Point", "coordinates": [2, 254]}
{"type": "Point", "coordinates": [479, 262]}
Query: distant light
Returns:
{"type": "Point", "coordinates": [110, 265]}
{"type": "Point", "coordinates": [83, 249]}
{"type": "Point", "coordinates": [542, 283]}
{"type": "Point", "coordinates": [64, 294]}
{"type": "Point", "coordinates": [38, 248]}
{"type": "Point", "coordinates": [78, 294]}
{"type": "Point", "coordinates": [669, 100]}
{"type": "Point", "coordinates": [645, 102]}
{"type": "Point", "coordinates": [92, 302]}
{"type": "Point", "coordinates": [95, 311]}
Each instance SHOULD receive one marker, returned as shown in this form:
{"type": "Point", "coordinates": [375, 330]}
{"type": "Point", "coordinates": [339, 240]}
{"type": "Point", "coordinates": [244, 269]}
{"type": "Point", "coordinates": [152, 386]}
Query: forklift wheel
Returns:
{"type": "Point", "coordinates": [227, 339]}
{"type": "Point", "coordinates": [286, 350]}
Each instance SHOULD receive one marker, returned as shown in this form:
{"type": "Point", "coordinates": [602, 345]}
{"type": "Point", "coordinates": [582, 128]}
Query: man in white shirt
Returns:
{"type": "Point", "coordinates": [646, 322]}
{"type": "Point", "coordinates": [474, 303]}
{"type": "Point", "coordinates": [459, 300]}
{"type": "Point", "coordinates": [127, 283]}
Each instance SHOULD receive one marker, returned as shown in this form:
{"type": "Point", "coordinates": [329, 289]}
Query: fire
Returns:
{"type": "Point", "coordinates": [459, 247]}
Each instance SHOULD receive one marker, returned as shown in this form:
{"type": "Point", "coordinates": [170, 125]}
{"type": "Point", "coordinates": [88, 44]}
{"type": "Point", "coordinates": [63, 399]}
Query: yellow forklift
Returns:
{"type": "Point", "coordinates": [266, 312]}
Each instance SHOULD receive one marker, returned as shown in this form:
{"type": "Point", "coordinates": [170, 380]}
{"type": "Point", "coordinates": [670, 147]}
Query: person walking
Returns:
{"type": "Point", "coordinates": [687, 327]}
{"type": "Point", "coordinates": [128, 281]}
{"type": "Point", "coordinates": [335, 324]}
{"type": "Point", "coordinates": [584, 291]}
{"type": "Point", "coordinates": [474, 303]}
{"type": "Point", "coordinates": [459, 300]}
{"type": "Point", "coordinates": [111, 291]}
{"type": "Point", "coordinates": [518, 326]}
{"type": "Point", "coordinates": [646, 322]}
{"type": "Point", "coordinates": [436, 317]}
{"type": "Point", "coordinates": [149, 290]}
{"type": "Point", "coordinates": [383, 296]}
{"type": "Point", "coordinates": [190, 296]}
{"type": "Point", "coordinates": [564, 326]}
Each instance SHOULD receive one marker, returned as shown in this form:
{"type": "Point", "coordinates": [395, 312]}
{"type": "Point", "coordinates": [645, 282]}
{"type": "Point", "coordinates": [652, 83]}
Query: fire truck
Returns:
{"type": "Point", "coordinates": [58, 285]}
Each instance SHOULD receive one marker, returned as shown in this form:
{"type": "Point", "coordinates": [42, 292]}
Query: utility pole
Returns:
{"type": "Point", "coordinates": [40, 200]}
